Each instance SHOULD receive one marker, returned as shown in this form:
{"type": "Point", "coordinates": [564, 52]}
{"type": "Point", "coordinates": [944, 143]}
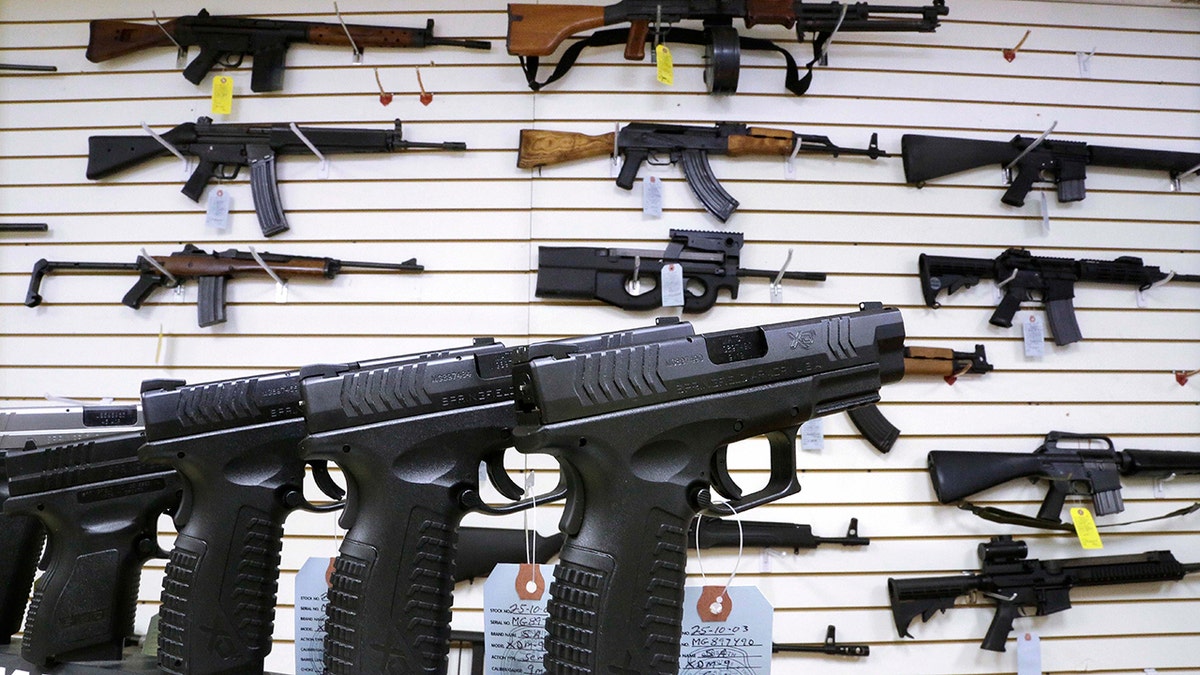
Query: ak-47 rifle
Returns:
{"type": "Point", "coordinates": [210, 270]}
{"type": "Point", "coordinates": [641, 142]}
{"type": "Point", "coordinates": [947, 363]}
{"type": "Point", "coordinates": [223, 149]}
{"type": "Point", "coordinates": [538, 30]}
{"type": "Point", "coordinates": [226, 40]}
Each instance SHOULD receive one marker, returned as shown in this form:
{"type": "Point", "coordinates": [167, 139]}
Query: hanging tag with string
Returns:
{"type": "Point", "coordinates": [726, 628]}
{"type": "Point", "coordinates": [312, 596]}
{"type": "Point", "coordinates": [514, 606]}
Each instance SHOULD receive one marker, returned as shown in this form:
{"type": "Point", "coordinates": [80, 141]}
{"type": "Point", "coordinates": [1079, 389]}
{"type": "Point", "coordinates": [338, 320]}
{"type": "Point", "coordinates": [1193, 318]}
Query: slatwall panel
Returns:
{"type": "Point", "coordinates": [475, 222]}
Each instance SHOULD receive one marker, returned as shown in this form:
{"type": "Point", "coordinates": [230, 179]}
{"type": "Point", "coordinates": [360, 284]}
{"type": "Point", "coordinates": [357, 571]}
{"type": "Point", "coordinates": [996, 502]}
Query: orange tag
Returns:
{"type": "Point", "coordinates": [714, 604]}
{"type": "Point", "coordinates": [530, 583]}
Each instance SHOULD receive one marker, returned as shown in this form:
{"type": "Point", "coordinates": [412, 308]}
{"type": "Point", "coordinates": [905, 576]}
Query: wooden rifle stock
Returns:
{"type": "Point", "coordinates": [537, 30]}
{"type": "Point", "coordinates": [928, 361]}
{"type": "Point", "coordinates": [364, 36]}
{"type": "Point", "coordinates": [110, 38]}
{"type": "Point", "coordinates": [207, 265]}
{"type": "Point", "coordinates": [539, 147]}
{"type": "Point", "coordinates": [762, 141]}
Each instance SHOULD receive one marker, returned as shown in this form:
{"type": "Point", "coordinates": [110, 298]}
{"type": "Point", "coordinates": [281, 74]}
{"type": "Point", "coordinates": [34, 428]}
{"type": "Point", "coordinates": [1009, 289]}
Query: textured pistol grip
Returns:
{"type": "Point", "coordinates": [619, 609]}
{"type": "Point", "coordinates": [389, 604]}
{"type": "Point", "coordinates": [22, 536]}
{"type": "Point", "coordinates": [218, 599]}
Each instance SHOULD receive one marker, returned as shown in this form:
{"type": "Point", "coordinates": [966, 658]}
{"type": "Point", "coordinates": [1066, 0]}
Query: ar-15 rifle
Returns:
{"type": "Point", "coordinates": [642, 433]}
{"type": "Point", "coordinates": [210, 270]}
{"type": "Point", "coordinates": [640, 142]}
{"type": "Point", "coordinates": [100, 507]}
{"type": "Point", "coordinates": [410, 438]}
{"type": "Point", "coordinates": [538, 30]}
{"type": "Point", "coordinates": [226, 40]}
{"type": "Point", "coordinates": [617, 276]}
{"type": "Point", "coordinates": [1091, 472]}
{"type": "Point", "coordinates": [223, 149]}
{"type": "Point", "coordinates": [947, 363]}
{"type": "Point", "coordinates": [22, 535]}
{"type": "Point", "coordinates": [1014, 582]}
{"type": "Point", "coordinates": [1025, 276]}
{"type": "Point", "coordinates": [1063, 163]}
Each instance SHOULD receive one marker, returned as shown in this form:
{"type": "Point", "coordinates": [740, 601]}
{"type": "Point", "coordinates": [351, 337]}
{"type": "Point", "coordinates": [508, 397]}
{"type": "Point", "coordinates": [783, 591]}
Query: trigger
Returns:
{"type": "Point", "coordinates": [572, 517]}
{"type": "Point", "coordinates": [324, 481]}
{"type": "Point", "coordinates": [183, 513]}
{"type": "Point", "coordinates": [722, 482]}
{"type": "Point", "coordinates": [501, 480]}
{"type": "Point", "coordinates": [44, 563]}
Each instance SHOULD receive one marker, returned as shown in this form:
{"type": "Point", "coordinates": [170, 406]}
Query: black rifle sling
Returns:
{"type": "Point", "coordinates": [1003, 516]}
{"type": "Point", "coordinates": [615, 36]}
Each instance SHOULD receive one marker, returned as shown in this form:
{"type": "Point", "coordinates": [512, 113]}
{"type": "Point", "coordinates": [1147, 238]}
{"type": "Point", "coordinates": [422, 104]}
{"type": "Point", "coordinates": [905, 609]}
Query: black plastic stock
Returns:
{"type": "Point", "coordinates": [636, 431]}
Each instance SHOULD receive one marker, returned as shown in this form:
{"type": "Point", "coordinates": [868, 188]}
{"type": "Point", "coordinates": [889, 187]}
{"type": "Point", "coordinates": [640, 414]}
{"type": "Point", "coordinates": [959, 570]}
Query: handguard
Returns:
{"type": "Point", "coordinates": [635, 430]}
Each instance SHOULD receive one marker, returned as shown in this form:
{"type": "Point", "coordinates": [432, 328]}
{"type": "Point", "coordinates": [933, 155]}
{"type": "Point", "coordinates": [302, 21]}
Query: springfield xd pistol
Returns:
{"type": "Point", "coordinates": [223, 149]}
{"type": "Point", "coordinates": [236, 446]}
{"type": "Point", "coordinates": [1026, 277]}
{"type": "Point", "coordinates": [612, 275]}
{"type": "Point", "coordinates": [1068, 470]}
{"type": "Point", "coordinates": [227, 40]}
{"type": "Point", "coordinates": [640, 142]}
{"type": "Point", "coordinates": [23, 536]}
{"type": "Point", "coordinates": [641, 434]}
{"type": "Point", "coordinates": [100, 507]}
{"type": "Point", "coordinates": [211, 272]}
{"type": "Point", "coordinates": [947, 363]}
{"type": "Point", "coordinates": [410, 438]}
{"type": "Point", "coordinates": [538, 30]}
{"type": "Point", "coordinates": [1014, 582]}
{"type": "Point", "coordinates": [1063, 163]}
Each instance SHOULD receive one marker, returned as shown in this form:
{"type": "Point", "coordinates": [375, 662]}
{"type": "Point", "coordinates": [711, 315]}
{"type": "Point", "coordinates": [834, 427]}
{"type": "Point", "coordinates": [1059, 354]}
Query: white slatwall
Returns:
{"type": "Point", "coordinates": [475, 222]}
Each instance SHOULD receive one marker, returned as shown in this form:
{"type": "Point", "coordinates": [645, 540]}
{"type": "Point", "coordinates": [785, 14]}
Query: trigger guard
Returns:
{"type": "Point", "coordinates": [501, 480]}
{"type": "Point", "coordinates": [559, 492]}
{"type": "Point", "coordinates": [782, 482]}
{"type": "Point", "coordinates": [722, 482]}
{"type": "Point", "coordinates": [350, 509]}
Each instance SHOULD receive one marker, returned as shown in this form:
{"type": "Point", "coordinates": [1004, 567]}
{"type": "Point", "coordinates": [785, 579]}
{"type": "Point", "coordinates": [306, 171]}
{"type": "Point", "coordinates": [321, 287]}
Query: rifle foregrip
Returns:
{"type": "Point", "coordinates": [389, 605]}
{"type": "Point", "coordinates": [218, 599]}
{"type": "Point", "coordinates": [22, 536]}
{"type": "Point", "coordinates": [619, 609]}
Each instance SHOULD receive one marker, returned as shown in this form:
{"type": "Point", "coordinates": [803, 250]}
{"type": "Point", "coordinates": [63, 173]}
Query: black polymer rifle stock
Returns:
{"type": "Point", "coordinates": [223, 149]}
{"type": "Point", "coordinates": [1050, 281]}
{"type": "Point", "coordinates": [1068, 471]}
{"type": "Point", "coordinates": [689, 146]}
{"type": "Point", "coordinates": [227, 40]}
{"type": "Point", "coordinates": [1063, 163]}
{"type": "Point", "coordinates": [712, 259]}
{"type": "Point", "coordinates": [641, 434]}
{"type": "Point", "coordinates": [946, 363]}
{"type": "Point", "coordinates": [100, 506]}
{"type": "Point", "coordinates": [22, 535]}
{"type": "Point", "coordinates": [1014, 582]}
{"type": "Point", "coordinates": [210, 270]}
{"type": "Point", "coordinates": [537, 30]}
{"type": "Point", "coordinates": [410, 438]}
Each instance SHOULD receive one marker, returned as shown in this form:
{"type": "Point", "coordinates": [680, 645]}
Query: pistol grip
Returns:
{"type": "Point", "coordinates": [635, 45]}
{"type": "Point", "coordinates": [204, 62]}
{"type": "Point", "coordinates": [1000, 627]}
{"type": "Point", "coordinates": [1007, 309]}
{"type": "Point", "coordinates": [22, 536]}
{"type": "Point", "coordinates": [1026, 175]}
{"type": "Point", "coordinates": [629, 169]}
{"type": "Point", "coordinates": [391, 595]}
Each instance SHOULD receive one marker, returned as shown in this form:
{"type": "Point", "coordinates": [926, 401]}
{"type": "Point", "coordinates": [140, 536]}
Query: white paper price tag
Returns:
{"type": "Point", "coordinates": [216, 214]}
{"type": "Point", "coordinates": [727, 632]}
{"type": "Point", "coordinates": [1035, 337]}
{"type": "Point", "coordinates": [812, 434]}
{"type": "Point", "coordinates": [1029, 654]}
{"type": "Point", "coordinates": [652, 197]}
{"type": "Point", "coordinates": [672, 285]}
{"type": "Point", "coordinates": [312, 595]}
{"type": "Point", "coordinates": [514, 614]}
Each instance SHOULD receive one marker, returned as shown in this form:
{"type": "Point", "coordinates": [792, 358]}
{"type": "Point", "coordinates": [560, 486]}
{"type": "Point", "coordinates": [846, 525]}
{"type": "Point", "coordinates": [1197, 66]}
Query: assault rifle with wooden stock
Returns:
{"type": "Point", "coordinates": [210, 270]}
{"type": "Point", "coordinates": [226, 40]}
{"type": "Point", "coordinates": [537, 30]}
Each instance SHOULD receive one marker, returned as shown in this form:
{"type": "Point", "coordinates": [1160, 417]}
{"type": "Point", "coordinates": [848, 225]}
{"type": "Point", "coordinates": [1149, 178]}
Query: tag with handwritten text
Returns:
{"type": "Point", "coordinates": [740, 642]}
{"type": "Point", "coordinates": [514, 617]}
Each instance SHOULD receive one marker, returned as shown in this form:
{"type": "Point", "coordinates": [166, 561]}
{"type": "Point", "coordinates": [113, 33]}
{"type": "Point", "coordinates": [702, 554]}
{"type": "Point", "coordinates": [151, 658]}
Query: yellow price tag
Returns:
{"type": "Point", "coordinates": [666, 67]}
{"type": "Point", "coordinates": [222, 95]}
{"type": "Point", "coordinates": [1085, 528]}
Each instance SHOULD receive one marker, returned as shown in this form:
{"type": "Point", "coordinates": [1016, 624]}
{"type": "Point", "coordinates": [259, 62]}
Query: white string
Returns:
{"type": "Point", "coordinates": [529, 514]}
{"type": "Point", "coordinates": [737, 563]}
